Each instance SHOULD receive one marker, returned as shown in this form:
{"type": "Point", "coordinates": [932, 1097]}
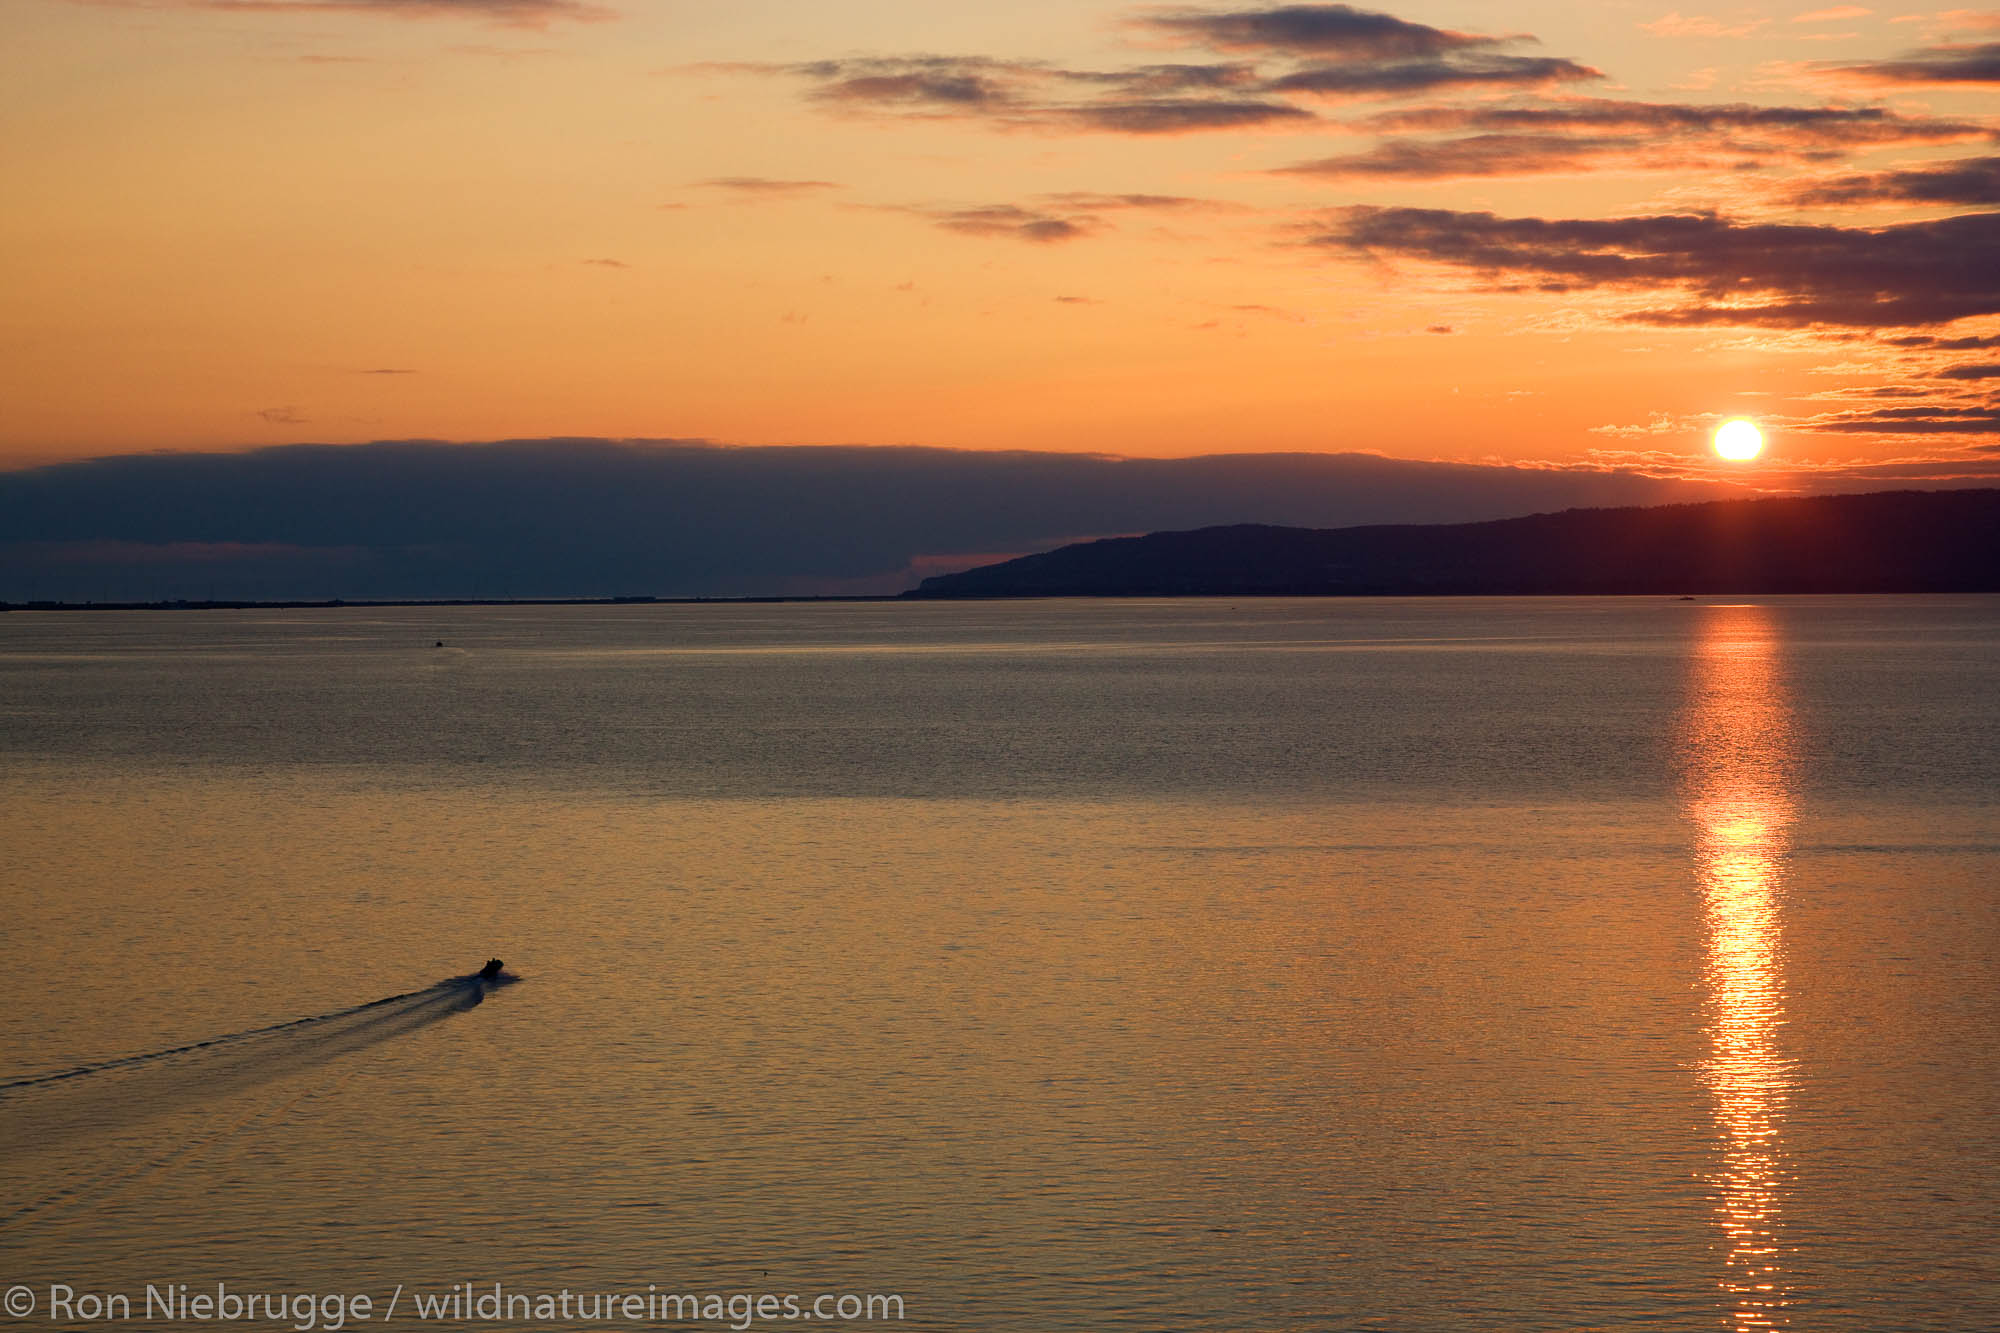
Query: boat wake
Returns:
{"type": "Point", "coordinates": [86, 1108]}
{"type": "Point", "coordinates": [89, 1098]}
{"type": "Point", "coordinates": [336, 1029]}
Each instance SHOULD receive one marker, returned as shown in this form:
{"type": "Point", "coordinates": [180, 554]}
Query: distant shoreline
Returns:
{"type": "Point", "coordinates": [344, 604]}
{"type": "Point", "coordinates": [1894, 543]}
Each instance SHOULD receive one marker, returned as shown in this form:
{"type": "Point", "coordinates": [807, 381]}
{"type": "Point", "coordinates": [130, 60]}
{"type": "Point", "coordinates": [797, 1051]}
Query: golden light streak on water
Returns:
{"type": "Point", "coordinates": [1737, 751]}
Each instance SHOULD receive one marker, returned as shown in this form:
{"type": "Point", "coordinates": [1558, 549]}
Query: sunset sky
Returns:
{"type": "Point", "coordinates": [1543, 232]}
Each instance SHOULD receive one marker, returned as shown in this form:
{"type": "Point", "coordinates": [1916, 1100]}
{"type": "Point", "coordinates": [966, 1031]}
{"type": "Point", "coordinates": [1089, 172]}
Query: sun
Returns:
{"type": "Point", "coordinates": [1739, 441]}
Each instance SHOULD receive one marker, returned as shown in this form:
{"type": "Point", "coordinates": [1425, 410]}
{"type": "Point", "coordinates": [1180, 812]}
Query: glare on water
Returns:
{"type": "Point", "coordinates": [1738, 760]}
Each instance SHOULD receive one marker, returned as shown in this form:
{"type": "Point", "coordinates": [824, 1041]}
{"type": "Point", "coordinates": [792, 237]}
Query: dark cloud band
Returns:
{"type": "Point", "coordinates": [1320, 31]}
{"type": "Point", "coordinates": [1404, 77]}
{"type": "Point", "coordinates": [1974, 181]}
{"type": "Point", "coordinates": [573, 517]}
{"type": "Point", "coordinates": [1719, 271]}
{"type": "Point", "coordinates": [1938, 65]}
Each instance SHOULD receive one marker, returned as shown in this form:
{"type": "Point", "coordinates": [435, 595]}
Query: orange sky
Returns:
{"type": "Point", "coordinates": [237, 223]}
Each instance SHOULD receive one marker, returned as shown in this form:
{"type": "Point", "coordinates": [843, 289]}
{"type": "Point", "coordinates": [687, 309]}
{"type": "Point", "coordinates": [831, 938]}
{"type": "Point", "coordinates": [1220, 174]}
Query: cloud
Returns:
{"type": "Point", "coordinates": [1335, 31]}
{"type": "Point", "coordinates": [1937, 65]}
{"type": "Point", "coordinates": [1595, 134]}
{"type": "Point", "coordinates": [1096, 202]}
{"type": "Point", "coordinates": [1937, 344]}
{"type": "Point", "coordinates": [1890, 421]}
{"type": "Point", "coordinates": [1720, 271]}
{"type": "Point", "coordinates": [766, 187]}
{"type": "Point", "coordinates": [923, 83]}
{"type": "Point", "coordinates": [1973, 180]}
{"type": "Point", "coordinates": [1877, 391]}
{"type": "Point", "coordinates": [1168, 79]}
{"type": "Point", "coordinates": [1951, 401]}
{"type": "Point", "coordinates": [1063, 216]}
{"type": "Point", "coordinates": [1838, 14]}
{"type": "Point", "coordinates": [280, 416]}
{"type": "Point", "coordinates": [607, 263]}
{"type": "Point", "coordinates": [1740, 127]}
{"type": "Point", "coordinates": [1031, 95]}
{"type": "Point", "coordinates": [1487, 155]}
{"type": "Point", "coordinates": [508, 13]}
{"type": "Point", "coordinates": [1348, 52]}
{"type": "Point", "coordinates": [569, 517]}
{"type": "Point", "coordinates": [1013, 222]}
{"type": "Point", "coordinates": [1699, 25]}
{"type": "Point", "coordinates": [1181, 116]}
{"type": "Point", "coordinates": [1400, 78]}
{"type": "Point", "coordinates": [1333, 51]}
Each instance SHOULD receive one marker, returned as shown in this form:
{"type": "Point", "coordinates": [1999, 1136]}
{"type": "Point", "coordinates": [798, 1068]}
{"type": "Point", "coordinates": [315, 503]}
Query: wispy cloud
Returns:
{"type": "Point", "coordinates": [1066, 215]}
{"type": "Point", "coordinates": [1013, 222]}
{"type": "Point", "coordinates": [1476, 155]}
{"type": "Point", "coordinates": [1347, 52]}
{"type": "Point", "coordinates": [1936, 65]}
{"type": "Point", "coordinates": [1151, 99]}
{"type": "Point", "coordinates": [1098, 202]}
{"type": "Point", "coordinates": [1941, 419]}
{"type": "Point", "coordinates": [1972, 180]}
{"type": "Point", "coordinates": [1741, 126]}
{"type": "Point", "coordinates": [1327, 31]}
{"type": "Point", "coordinates": [923, 83]}
{"type": "Point", "coordinates": [508, 13]}
{"type": "Point", "coordinates": [766, 187]}
{"type": "Point", "coordinates": [1591, 134]}
{"type": "Point", "coordinates": [1176, 116]}
{"type": "Point", "coordinates": [1676, 24]}
{"type": "Point", "coordinates": [1934, 343]}
{"type": "Point", "coordinates": [1298, 53]}
{"type": "Point", "coordinates": [1404, 77]}
{"type": "Point", "coordinates": [1011, 94]}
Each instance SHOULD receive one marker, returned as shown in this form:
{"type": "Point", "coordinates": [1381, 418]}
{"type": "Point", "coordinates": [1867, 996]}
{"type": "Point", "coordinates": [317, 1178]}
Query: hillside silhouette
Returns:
{"type": "Point", "coordinates": [1884, 542]}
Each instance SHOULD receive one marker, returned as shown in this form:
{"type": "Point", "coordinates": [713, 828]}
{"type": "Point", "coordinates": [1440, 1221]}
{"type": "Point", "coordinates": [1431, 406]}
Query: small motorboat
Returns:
{"type": "Point", "coordinates": [492, 969]}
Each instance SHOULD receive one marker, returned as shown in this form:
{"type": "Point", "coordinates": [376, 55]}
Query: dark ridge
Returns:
{"type": "Point", "coordinates": [1885, 542]}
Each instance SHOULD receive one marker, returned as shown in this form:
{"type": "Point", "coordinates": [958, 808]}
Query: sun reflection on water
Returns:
{"type": "Point", "coordinates": [1736, 751]}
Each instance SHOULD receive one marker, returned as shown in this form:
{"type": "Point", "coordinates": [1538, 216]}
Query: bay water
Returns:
{"type": "Point", "coordinates": [1274, 964]}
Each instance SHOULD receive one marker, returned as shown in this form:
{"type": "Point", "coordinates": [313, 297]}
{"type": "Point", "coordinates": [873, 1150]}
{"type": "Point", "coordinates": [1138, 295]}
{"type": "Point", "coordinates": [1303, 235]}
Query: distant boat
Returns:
{"type": "Point", "coordinates": [491, 970]}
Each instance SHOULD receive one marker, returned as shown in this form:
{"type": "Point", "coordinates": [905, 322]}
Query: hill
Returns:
{"type": "Point", "coordinates": [1889, 541]}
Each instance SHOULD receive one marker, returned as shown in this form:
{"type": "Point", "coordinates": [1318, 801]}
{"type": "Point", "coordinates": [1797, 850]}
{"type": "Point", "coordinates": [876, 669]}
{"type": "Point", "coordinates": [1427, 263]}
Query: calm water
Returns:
{"type": "Point", "coordinates": [1316, 965]}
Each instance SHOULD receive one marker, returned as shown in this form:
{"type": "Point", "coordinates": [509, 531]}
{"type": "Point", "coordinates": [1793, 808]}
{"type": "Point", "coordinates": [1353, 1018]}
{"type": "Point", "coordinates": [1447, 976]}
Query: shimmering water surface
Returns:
{"type": "Point", "coordinates": [1416, 965]}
